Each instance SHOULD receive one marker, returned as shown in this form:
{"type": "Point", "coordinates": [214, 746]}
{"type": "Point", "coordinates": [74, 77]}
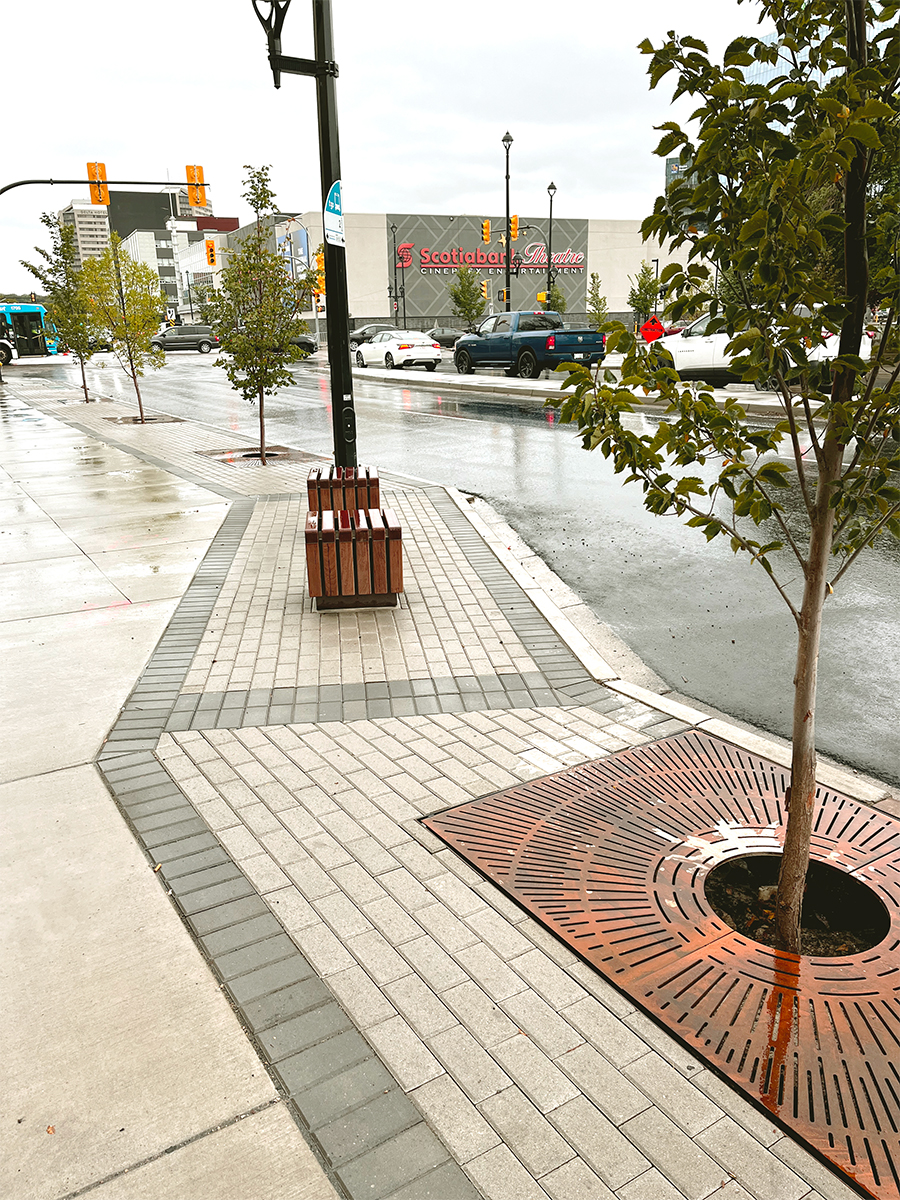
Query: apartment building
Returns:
{"type": "Point", "coordinates": [91, 224]}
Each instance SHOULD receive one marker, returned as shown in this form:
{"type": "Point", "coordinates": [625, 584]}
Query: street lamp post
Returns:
{"type": "Point", "coordinates": [396, 293]}
{"type": "Point", "coordinates": [337, 313]}
{"type": "Point", "coordinates": [655, 262]}
{"type": "Point", "coordinates": [551, 192]}
{"type": "Point", "coordinates": [290, 237]}
{"type": "Point", "coordinates": [507, 142]}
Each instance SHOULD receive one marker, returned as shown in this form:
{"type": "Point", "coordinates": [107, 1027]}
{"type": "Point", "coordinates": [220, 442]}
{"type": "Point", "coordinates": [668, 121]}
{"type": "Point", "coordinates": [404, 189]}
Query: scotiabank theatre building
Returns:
{"type": "Point", "coordinates": [431, 248]}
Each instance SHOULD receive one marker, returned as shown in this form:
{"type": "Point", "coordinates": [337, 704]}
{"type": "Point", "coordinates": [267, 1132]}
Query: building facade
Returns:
{"type": "Point", "coordinates": [91, 224]}
{"type": "Point", "coordinates": [411, 259]}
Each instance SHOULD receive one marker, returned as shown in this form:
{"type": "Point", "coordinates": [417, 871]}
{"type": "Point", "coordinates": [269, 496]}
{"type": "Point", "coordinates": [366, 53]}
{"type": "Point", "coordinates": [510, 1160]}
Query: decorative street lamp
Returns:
{"type": "Point", "coordinates": [396, 294]}
{"type": "Point", "coordinates": [551, 192]}
{"type": "Point", "coordinates": [507, 142]}
{"type": "Point", "coordinates": [337, 314]}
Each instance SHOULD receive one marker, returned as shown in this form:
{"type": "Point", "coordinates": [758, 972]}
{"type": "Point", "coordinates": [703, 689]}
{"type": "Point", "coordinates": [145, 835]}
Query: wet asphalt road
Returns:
{"type": "Point", "coordinates": [709, 623]}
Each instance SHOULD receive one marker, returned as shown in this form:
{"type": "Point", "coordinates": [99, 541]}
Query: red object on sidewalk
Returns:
{"type": "Point", "coordinates": [652, 329]}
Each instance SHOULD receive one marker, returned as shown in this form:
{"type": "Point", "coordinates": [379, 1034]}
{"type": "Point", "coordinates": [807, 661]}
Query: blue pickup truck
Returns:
{"type": "Point", "coordinates": [526, 343]}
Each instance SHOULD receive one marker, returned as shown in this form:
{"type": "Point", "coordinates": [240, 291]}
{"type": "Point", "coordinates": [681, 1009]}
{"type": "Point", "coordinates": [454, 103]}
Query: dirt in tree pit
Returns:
{"type": "Point", "coordinates": [841, 915]}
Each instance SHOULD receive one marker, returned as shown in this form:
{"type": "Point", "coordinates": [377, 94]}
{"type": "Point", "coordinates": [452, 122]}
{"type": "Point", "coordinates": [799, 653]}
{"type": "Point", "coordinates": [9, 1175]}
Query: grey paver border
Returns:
{"type": "Point", "coordinates": [371, 1138]}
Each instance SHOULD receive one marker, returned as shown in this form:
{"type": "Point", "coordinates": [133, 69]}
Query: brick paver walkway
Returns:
{"type": "Point", "coordinates": [433, 1039]}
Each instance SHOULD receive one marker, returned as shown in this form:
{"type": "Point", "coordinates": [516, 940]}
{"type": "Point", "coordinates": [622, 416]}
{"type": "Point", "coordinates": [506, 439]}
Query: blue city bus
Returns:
{"type": "Point", "coordinates": [25, 332]}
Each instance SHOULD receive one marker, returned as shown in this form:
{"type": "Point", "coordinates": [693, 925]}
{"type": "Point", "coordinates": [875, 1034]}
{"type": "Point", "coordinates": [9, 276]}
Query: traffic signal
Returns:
{"type": "Point", "coordinates": [513, 227]}
{"type": "Point", "coordinates": [211, 252]}
{"type": "Point", "coordinates": [501, 295]}
{"type": "Point", "coordinates": [96, 172]}
{"type": "Point", "coordinates": [484, 289]}
{"type": "Point", "coordinates": [485, 231]}
{"type": "Point", "coordinates": [320, 275]}
{"type": "Point", "coordinates": [542, 297]}
{"type": "Point", "coordinates": [196, 190]}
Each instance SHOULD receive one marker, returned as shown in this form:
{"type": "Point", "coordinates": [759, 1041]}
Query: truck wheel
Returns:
{"type": "Point", "coordinates": [527, 366]}
{"type": "Point", "coordinates": [463, 363]}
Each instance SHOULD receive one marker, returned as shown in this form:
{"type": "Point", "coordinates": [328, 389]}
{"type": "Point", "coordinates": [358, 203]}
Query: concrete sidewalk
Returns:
{"type": "Point", "coordinates": [237, 966]}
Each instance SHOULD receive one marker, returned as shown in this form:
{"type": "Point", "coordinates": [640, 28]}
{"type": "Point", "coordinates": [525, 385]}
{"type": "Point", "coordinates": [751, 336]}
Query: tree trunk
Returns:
{"type": "Point", "coordinates": [802, 795]}
{"type": "Point", "coordinates": [83, 381]}
{"type": "Point", "coordinates": [795, 860]}
{"type": "Point", "coordinates": [262, 427]}
{"type": "Point", "coordinates": [137, 391]}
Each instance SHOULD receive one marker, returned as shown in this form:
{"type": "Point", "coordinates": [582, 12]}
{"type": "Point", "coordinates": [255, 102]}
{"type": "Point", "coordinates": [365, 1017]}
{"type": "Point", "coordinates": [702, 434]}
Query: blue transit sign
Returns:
{"type": "Point", "coordinates": [333, 216]}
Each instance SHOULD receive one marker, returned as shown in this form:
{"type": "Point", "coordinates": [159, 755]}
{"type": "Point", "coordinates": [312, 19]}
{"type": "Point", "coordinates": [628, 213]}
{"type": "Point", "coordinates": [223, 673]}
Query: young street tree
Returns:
{"type": "Point", "coordinates": [126, 302]}
{"type": "Point", "coordinates": [255, 311]}
{"type": "Point", "coordinates": [465, 296]}
{"type": "Point", "coordinates": [644, 294]}
{"type": "Point", "coordinates": [760, 155]}
{"type": "Point", "coordinates": [67, 305]}
{"type": "Point", "coordinates": [556, 301]}
{"type": "Point", "coordinates": [597, 307]}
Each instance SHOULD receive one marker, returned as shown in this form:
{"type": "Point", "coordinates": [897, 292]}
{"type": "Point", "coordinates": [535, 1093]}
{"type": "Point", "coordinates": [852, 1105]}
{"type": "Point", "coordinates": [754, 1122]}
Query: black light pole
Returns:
{"type": "Point", "coordinates": [396, 292]}
{"type": "Point", "coordinates": [507, 142]}
{"type": "Point", "coordinates": [337, 311]}
{"type": "Point", "coordinates": [655, 262]}
{"type": "Point", "coordinates": [551, 192]}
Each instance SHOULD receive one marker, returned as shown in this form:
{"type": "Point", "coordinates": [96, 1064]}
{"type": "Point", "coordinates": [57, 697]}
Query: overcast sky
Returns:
{"type": "Point", "coordinates": [425, 94]}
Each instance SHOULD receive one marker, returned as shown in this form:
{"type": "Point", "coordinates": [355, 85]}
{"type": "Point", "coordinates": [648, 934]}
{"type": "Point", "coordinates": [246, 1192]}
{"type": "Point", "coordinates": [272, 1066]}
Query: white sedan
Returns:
{"type": "Point", "coordinates": [399, 348]}
{"type": "Point", "coordinates": [701, 355]}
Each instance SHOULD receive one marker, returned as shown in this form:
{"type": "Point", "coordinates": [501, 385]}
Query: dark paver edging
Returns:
{"type": "Point", "coordinates": [369, 1135]}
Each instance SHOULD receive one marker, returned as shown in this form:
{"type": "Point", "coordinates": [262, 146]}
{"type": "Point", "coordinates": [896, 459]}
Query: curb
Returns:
{"type": "Point", "coordinates": [842, 779]}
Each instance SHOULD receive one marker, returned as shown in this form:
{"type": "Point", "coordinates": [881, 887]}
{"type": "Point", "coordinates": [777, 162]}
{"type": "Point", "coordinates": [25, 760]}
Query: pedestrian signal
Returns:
{"type": "Point", "coordinates": [210, 252]}
{"type": "Point", "coordinates": [513, 227]}
{"type": "Point", "coordinates": [196, 190]}
{"type": "Point", "coordinates": [542, 297]}
{"type": "Point", "coordinates": [97, 181]}
{"type": "Point", "coordinates": [485, 231]}
{"type": "Point", "coordinates": [484, 289]}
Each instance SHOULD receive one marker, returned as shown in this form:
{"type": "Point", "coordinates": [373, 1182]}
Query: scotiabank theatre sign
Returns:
{"type": "Point", "coordinates": [431, 249]}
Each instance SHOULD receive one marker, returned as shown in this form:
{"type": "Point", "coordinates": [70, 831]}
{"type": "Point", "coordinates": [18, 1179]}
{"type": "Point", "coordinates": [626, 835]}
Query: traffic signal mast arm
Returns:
{"type": "Point", "coordinates": [109, 182]}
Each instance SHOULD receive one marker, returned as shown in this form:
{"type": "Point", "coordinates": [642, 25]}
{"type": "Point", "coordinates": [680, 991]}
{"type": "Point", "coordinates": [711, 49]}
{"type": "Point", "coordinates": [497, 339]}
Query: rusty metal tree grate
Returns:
{"type": "Point", "coordinates": [612, 857]}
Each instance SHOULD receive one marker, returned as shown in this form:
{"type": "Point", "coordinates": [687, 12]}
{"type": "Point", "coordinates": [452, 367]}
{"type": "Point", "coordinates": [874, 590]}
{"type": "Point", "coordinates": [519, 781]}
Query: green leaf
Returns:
{"type": "Point", "coordinates": [864, 134]}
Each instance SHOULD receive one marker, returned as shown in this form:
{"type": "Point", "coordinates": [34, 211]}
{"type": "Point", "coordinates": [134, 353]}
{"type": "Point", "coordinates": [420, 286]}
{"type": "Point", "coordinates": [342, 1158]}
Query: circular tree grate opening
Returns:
{"type": "Point", "coordinates": [841, 915]}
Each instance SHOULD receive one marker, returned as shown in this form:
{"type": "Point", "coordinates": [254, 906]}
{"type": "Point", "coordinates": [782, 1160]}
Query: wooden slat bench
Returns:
{"type": "Point", "coordinates": [354, 557]}
{"type": "Point", "coordinates": [338, 488]}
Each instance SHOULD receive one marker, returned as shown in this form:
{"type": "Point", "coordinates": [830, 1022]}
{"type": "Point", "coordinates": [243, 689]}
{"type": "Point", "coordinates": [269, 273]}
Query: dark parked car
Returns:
{"type": "Point", "coordinates": [445, 336]}
{"type": "Point", "coordinates": [306, 342]}
{"type": "Point", "coordinates": [186, 337]}
{"type": "Point", "coordinates": [366, 333]}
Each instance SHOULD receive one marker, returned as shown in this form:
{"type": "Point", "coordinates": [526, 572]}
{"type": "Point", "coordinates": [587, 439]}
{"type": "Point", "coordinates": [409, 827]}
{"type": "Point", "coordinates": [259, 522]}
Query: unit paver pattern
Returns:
{"type": "Point", "coordinates": [613, 856]}
{"type": "Point", "coordinates": [434, 1040]}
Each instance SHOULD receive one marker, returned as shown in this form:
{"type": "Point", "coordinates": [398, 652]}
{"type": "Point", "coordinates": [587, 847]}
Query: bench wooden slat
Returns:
{"type": "Point", "coordinates": [363, 553]}
{"type": "Point", "coordinates": [394, 551]}
{"type": "Point", "coordinates": [313, 554]}
{"type": "Point", "coordinates": [338, 488]}
{"type": "Point", "coordinates": [329, 555]}
{"type": "Point", "coordinates": [345, 533]}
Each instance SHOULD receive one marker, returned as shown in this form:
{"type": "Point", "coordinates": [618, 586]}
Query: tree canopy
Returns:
{"type": "Point", "coordinates": [465, 296]}
{"type": "Point", "coordinates": [62, 280]}
{"type": "Point", "coordinates": [255, 310]}
{"type": "Point", "coordinates": [796, 185]}
{"type": "Point", "coordinates": [126, 303]}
